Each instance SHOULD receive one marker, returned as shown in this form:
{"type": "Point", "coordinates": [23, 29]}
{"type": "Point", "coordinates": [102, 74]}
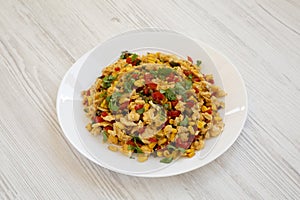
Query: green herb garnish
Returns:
{"type": "Point", "coordinates": [163, 72]}
{"type": "Point", "coordinates": [188, 84]}
{"type": "Point", "coordinates": [190, 76]}
{"type": "Point", "coordinates": [104, 135]}
{"type": "Point", "coordinates": [133, 57]}
{"type": "Point", "coordinates": [198, 63]}
{"type": "Point", "coordinates": [171, 96]}
{"type": "Point", "coordinates": [107, 80]}
{"type": "Point", "coordinates": [184, 122]}
{"type": "Point", "coordinates": [141, 111]}
{"type": "Point", "coordinates": [166, 160]}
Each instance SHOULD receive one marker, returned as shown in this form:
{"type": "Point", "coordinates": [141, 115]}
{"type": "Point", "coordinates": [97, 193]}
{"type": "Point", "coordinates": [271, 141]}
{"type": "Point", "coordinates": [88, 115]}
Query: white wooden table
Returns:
{"type": "Point", "coordinates": [40, 40]}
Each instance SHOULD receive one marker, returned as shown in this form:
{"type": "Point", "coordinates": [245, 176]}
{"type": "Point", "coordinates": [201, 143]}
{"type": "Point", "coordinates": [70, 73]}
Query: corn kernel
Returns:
{"type": "Point", "coordinates": [146, 106]}
{"type": "Point", "coordinates": [162, 141]}
{"type": "Point", "coordinates": [142, 158]}
{"type": "Point", "coordinates": [200, 124]}
{"type": "Point", "coordinates": [112, 148]}
{"type": "Point", "coordinates": [152, 145]}
{"type": "Point", "coordinates": [89, 127]}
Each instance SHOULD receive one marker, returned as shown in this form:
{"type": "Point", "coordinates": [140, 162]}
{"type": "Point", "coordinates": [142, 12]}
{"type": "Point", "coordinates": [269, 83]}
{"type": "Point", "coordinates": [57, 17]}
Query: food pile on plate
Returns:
{"type": "Point", "coordinates": [154, 105]}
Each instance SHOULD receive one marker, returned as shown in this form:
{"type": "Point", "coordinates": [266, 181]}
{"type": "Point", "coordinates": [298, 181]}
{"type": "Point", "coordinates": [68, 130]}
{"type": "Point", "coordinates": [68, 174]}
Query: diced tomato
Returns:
{"type": "Point", "coordinates": [138, 106]}
{"type": "Point", "coordinates": [157, 96]}
{"type": "Point", "coordinates": [152, 85]}
{"type": "Point", "coordinates": [174, 103]}
{"type": "Point", "coordinates": [124, 105]}
{"type": "Point", "coordinates": [211, 81]}
{"type": "Point", "coordinates": [88, 93]}
{"type": "Point", "coordinates": [142, 130]}
{"type": "Point", "coordinates": [107, 128]}
{"type": "Point", "coordinates": [209, 111]}
{"type": "Point", "coordinates": [135, 76]}
{"type": "Point", "coordinates": [153, 139]}
{"type": "Point", "coordinates": [176, 79]}
{"type": "Point", "coordinates": [196, 79]}
{"type": "Point", "coordinates": [196, 90]}
{"type": "Point", "coordinates": [104, 114]}
{"type": "Point", "coordinates": [117, 69]}
{"type": "Point", "coordinates": [187, 72]}
{"type": "Point", "coordinates": [148, 78]}
{"type": "Point", "coordinates": [98, 119]}
{"type": "Point", "coordinates": [146, 91]}
{"type": "Point", "coordinates": [181, 144]}
{"type": "Point", "coordinates": [130, 142]}
{"type": "Point", "coordinates": [170, 78]}
{"type": "Point", "coordinates": [128, 60]}
{"type": "Point", "coordinates": [173, 113]}
{"type": "Point", "coordinates": [190, 59]}
{"type": "Point", "coordinates": [190, 104]}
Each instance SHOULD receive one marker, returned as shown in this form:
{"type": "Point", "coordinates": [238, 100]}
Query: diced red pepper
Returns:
{"type": "Point", "coordinates": [148, 78]}
{"type": "Point", "coordinates": [181, 144]}
{"type": "Point", "coordinates": [190, 59]}
{"type": "Point", "coordinates": [107, 128]}
{"type": "Point", "coordinates": [170, 77]}
{"type": "Point", "coordinates": [88, 93]}
{"type": "Point", "coordinates": [128, 60]}
{"type": "Point", "coordinates": [152, 85]}
{"type": "Point", "coordinates": [142, 130]}
{"type": "Point", "coordinates": [190, 104]}
{"type": "Point", "coordinates": [209, 111]}
{"type": "Point", "coordinates": [176, 79]}
{"type": "Point", "coordinates": [173, 113]}
{"type": "Point", "coordinates": [153, 139]}
{"type": "Point", "coordinates": [135, 76]}
{"type": "Point", "coordinates": [138, 106]}
{"type": "Point", "coordinates": [174, 103]}
{"type": "Point", "coordinates": [117, 69]}
{"type": "Point", "coordinates": [98, 119]}
{"type": "Point", "coordinates": [187, 72]}
{"type": "Point", "coordinates": [104, 114]}
{"type": "Point", "coordinates": [130, 142]}
{"type": "Point", "coordinates": [196, 79]}
{"type": "Point", "coordinates": [196, 90]}
{"type": "Point", "coordinates": [124, 105]}
{"type": "Point", "coordinates": [157, 96]}
{"type": "Point", "coordinates": [146, 91]}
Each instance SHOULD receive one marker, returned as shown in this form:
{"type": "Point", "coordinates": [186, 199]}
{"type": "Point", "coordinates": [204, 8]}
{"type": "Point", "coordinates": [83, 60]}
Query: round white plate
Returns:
{"type": "Point", "coordinates": [85, 71]}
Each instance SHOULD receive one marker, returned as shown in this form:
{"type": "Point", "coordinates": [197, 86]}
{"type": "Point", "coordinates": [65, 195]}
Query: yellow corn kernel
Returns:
{"type": "Point", "coordinates": [112, 139]}
{"type": "Point", "coordinates": [103, 104]}
{"type": "Point", "coordinates": [200, 124]}
{"type": "Point", "coordinates": [146, 106]}
{"type": "Point", "coordinates": [139, 83]}
{"type": "Point", "coordinates": [171, 121]}
{"type": "Point", "coordinates": [191, 130]}
{"type": "Point", "coordinates": [89, 127]}
{"type": "Point", "coordinates": [152, 145]}
{"type": "Point", "coordinates": [187, 151]}
{"type": "Point", "coordinates": [90, 100]}
{"type": "Point", "coordinates": [172, 137]}
{"type": "Point", "coordinates": [112, 148]}
{"type": "Point", "coordinates": [146, 149]}
{"type": "Point", "coordinates": [190, 154]}
{"type": "Point", "coordinates": [191, 123]}
{"type": "Point", "coordinates": [166, 153]}
{"type": "Point", "coordinates": [204, 108]}
{"type": "Point", "coordinates": [174, 130]}
{"type": "Point", "coordinates": [159, 153]}
{"type": "Point", "coordinates": [162, 141]}
{"type": "Point", "coordinates": [142, 158]}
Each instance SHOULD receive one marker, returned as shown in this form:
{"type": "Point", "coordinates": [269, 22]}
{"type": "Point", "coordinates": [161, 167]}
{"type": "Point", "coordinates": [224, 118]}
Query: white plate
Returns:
{"type": "Point", "coordinates": [72, 119]}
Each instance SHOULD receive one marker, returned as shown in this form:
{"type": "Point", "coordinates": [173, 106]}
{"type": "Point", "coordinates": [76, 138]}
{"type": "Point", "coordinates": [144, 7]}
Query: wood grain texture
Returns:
{"type": "Point", "coordinates": [40, 40]}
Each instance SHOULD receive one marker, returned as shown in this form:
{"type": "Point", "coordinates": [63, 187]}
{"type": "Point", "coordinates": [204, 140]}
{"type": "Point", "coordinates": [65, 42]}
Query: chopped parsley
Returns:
{"type": "Point", "coordinates": [107, 80]}
{"type": "Point", "coordinates": [169, 93]}
{"type": "Point", "coordinates": [166, 160]}
{"type": "Point", "coordinates": [104, 135]}
{"type": "Point", "coordinates": [184, 122]}
{"type": "Point", "coordinates": [198, 63]}
{"type": "Point", "coordinates": [141, 111]}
